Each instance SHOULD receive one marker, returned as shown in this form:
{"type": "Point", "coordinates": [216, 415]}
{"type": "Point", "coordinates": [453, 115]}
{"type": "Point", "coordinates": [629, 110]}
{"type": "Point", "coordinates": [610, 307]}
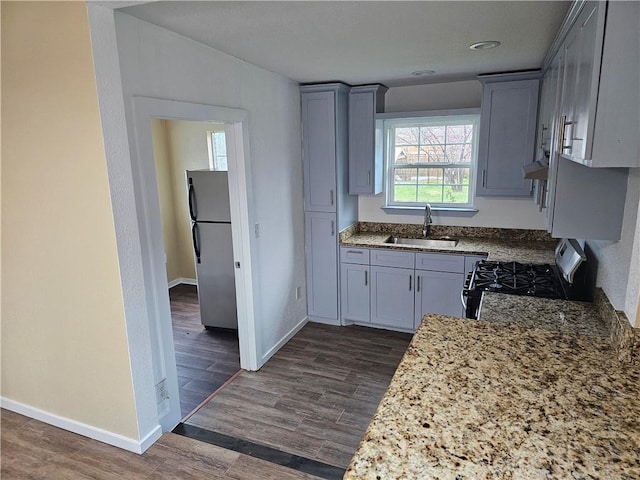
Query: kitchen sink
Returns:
{"type": "Point", "coordinates": [424, 242]}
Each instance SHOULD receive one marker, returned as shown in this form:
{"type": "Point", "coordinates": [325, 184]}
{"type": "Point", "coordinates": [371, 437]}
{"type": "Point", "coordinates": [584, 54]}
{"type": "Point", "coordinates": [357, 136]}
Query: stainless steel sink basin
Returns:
{"type": "Point", "coordinates": [424, 242]}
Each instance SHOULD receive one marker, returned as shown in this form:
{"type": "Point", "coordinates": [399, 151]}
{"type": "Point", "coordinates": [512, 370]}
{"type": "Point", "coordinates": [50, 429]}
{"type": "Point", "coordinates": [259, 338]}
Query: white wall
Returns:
{"type": "Point", "coordinates": [619, 262]}
{"type": "Point", "coordinates": [502, 212]}
{"type": "Point", "coordinates": [157, 63]}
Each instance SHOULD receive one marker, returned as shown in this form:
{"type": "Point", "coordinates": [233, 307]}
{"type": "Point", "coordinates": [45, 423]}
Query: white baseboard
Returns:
{"type": "Point", "coordinates": [325, 321]}
{"type": "Point", "coordinates": [115, 439]}
{"type": "Point", "coordinates": [284, 340]}
{"type": "Point", "coordinates": [186, 281]}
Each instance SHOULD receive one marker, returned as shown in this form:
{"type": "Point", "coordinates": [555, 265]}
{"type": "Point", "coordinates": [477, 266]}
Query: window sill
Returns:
{"type": "Point", "coordinates": [435, 211]}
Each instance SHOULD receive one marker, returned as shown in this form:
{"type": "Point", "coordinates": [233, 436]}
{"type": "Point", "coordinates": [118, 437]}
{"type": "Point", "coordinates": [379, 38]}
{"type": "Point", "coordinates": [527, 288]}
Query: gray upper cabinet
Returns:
{"type": "Point", "coordinates": [599, 117]}
{"type": "Point", "coordinates": [365, 144]}
{"type": "Point", "coordinates": [507, 133]}
{"type": "Point", "coordinates": [319, 151]}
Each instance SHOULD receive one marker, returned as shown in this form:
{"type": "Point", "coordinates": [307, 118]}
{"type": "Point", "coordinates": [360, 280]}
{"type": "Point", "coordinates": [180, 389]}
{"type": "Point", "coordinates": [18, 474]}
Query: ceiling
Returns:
{"type": "Point", "coordinates": [370, 41]}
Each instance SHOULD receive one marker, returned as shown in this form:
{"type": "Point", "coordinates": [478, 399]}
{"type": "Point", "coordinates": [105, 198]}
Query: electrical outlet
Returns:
{"type": "Point", "coordinates": [256, 230]}
{"type": "Point", "coordinates": [298, 293]}
{"type": "Point", "coordinates": [161, 391]}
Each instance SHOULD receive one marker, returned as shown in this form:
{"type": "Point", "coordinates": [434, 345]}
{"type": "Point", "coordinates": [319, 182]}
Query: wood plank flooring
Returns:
{"type": "Point", "coordinates": [34, 450]}
{"type": "Point", "coordinates": [205, 359]}
{"type": "Point", "coordinates": [315, 397]}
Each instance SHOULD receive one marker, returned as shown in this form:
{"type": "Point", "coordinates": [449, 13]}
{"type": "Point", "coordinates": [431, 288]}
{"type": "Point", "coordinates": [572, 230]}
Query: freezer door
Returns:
{"type": "Point", "coordinates": [216, 276]}
{"type": "Point", "coordinates": [208, 195]}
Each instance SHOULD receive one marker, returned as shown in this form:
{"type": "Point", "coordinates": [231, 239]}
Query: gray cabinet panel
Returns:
{"type": "Point", "coordinates": [439, 293]}
{"type": "Point", "coordinates": [470, 262]}
{"type": "Point", "coordinates": [392, 258]}
{"type": "Point", "coordinates": [355, 297]}
{"type": "Point", "coordinates": [354, 255]}
{"type": "Point", "coordinates": [365, 161]}
{"type": "Point", "coordinates": [322, 265]}
{"type": "Point", "coordinates": [440, 262]}
{"type": "Point", "coordinates": [392, 298]}
{"type": "Point", "coordinates": [319, 151]}
{"type": "Point", "coordinates": [507, 136]}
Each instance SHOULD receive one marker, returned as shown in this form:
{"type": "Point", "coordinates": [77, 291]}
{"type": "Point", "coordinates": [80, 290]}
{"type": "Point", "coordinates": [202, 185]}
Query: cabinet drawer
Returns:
{"type": "Point", "coordinates": [354, 255]}
{"type": "Point", "coordinates": [392, 258]}
{"type": "Point", "coordinates": [440, 262]}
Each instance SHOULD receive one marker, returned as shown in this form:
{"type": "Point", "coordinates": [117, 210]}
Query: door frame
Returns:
{"type": "Point", "coordinates": [144, 110]}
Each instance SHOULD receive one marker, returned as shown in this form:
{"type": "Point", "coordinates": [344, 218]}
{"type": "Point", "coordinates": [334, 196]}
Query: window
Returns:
{"type": "Point", "coordinates": [431, 160]}
{"type": "Point", "coordinates": [217, 151]}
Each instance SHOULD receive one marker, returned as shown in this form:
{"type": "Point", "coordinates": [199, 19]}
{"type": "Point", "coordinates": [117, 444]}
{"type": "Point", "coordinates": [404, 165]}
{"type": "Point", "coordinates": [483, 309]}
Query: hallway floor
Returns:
{"type": "Point", "coordinates": [205, 359]}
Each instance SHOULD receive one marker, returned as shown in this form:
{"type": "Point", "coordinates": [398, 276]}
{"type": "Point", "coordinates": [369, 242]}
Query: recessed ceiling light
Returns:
{"type": "Point", "coordinates": [484, 45]}
{"type": "Point", "coordinates": [422, 73]}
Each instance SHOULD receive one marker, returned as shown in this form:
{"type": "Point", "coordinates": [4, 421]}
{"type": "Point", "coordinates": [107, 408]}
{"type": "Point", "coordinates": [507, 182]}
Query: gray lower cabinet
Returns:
{"type": "Point", "coordinates": [354, 292]}
{"type": "Point", "coordinates": [322, 265]}
{"type": "Point", "coordinates": [392, 297]}
{"type": "Point", "coordinates": [439, 293]}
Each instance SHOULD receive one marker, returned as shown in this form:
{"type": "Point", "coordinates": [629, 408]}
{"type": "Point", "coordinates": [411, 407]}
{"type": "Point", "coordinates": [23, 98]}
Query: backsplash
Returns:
{"type": "Point", "coordinates": [413, 230]}
{"type": "Point", "coordinates": [624, 338]}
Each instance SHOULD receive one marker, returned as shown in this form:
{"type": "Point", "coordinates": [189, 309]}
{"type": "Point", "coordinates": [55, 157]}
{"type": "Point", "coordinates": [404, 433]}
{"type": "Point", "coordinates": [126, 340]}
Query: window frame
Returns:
{"type": "Point", "coordinates": [389, 121]}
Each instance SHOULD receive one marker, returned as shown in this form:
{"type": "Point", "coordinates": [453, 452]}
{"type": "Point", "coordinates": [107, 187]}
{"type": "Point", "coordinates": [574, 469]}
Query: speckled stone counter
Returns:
{"type": "Point", "coordinates": [559, 315]}
{"type": "Point", "coordinates": [487, 400]}
{"type": "Point", "coordinates": [526, 246]}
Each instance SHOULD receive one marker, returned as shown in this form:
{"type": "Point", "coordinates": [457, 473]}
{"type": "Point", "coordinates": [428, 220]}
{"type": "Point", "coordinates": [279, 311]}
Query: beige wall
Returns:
{"type": "Point", "coordinates": [64, 345]}
{"type": "Point", "coordinates": [178, 146]}
{"type": "Point", "coordinates": [164, 178]}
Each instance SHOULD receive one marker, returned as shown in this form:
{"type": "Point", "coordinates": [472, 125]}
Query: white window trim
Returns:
{"type": "Point", "coordinates": [386, 120]}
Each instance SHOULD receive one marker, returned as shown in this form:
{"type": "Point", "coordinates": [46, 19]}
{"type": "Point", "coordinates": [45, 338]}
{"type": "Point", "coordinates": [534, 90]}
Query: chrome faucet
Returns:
{"type": "Point", "coordinates": [426, 226]}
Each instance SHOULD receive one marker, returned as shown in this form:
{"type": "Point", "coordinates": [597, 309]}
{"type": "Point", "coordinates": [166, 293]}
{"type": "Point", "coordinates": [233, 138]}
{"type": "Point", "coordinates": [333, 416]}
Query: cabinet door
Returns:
{"type": "Point", "coordinates": [507, 137]}
{"type": "Point", "coordinates": [319, 151]}
{"type": "Point", "coordinates": [590, 35]}
{"type": "Point", "coordinates": [354, 292]}
{"type": "Point", "coordinates": [439, 293]}
{"type": "Point", "coordinates": [365, 156]}
{"type": "Point", "coordinates": [392, 297]}
{"type": "Point", "coordinates": [322, 265]}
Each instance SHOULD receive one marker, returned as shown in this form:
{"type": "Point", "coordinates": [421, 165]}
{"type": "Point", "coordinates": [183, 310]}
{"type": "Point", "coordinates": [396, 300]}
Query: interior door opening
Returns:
{"type": "Point", "coordinates": [193, 192]}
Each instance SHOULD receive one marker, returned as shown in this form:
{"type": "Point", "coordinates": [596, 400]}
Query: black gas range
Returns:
{"type": "Point", "coordinates": [563, 280]}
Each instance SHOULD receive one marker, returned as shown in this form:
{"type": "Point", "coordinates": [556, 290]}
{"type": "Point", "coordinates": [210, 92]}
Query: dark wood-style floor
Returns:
{"type": "Point", "coordinates": [34, 450]}
{"type": "Point", "coordinates": [205, 359]}
{"type": "Point", "coordinates": [315, 397]}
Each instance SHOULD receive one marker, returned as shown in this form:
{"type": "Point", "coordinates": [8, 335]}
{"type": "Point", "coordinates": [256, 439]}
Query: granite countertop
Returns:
{"type": "Point", "coordinates": [558, 315]}
{"type": "Point", "coordinates": [498, 249]}
{"type": "Point", "coordinates": [495, 400]}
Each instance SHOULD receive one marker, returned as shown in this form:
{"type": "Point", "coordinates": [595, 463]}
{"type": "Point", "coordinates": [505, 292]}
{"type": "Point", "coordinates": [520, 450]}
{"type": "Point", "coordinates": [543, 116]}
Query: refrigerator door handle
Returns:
{"type": "Point", "coordinates": [193, 213]}
{"type": "Point", "coordinates": [195, 235]}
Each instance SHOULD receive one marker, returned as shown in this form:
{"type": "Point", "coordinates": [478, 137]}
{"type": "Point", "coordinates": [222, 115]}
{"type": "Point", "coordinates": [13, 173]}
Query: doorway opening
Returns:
{"type": "Point", "coordinates": [156, 291]}
{"type": "Point", "coordinates": [193, 192]}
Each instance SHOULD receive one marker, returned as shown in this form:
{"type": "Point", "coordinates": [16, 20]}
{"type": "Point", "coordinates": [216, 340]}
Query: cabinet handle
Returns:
{"type": "Point", "coordinates": [542, 142]}
{"type": "Point", "coordinates": [418, 283]}
{"type": "Point", "coordinates": [369, 178]}
{"type": "Point", "coordinates": [358, 252]}
{"type": "Point", "coordinates": [563, 126]}
{"type": "Point", "coordinates": [410, 282]}
{"type": "Point", "coordinates": [484, 177]}
{"type": "Point", "coordinates": [331, 197]}
{"type": "Point", "coordinates": [366, 279]}
{"type": "Point", "coordinates": [333, 228]}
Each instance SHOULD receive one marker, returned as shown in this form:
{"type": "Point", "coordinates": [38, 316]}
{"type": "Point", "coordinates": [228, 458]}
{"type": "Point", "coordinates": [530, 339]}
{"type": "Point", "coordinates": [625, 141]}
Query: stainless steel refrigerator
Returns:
{"type": "Point", "coordinates": [208, 193]}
